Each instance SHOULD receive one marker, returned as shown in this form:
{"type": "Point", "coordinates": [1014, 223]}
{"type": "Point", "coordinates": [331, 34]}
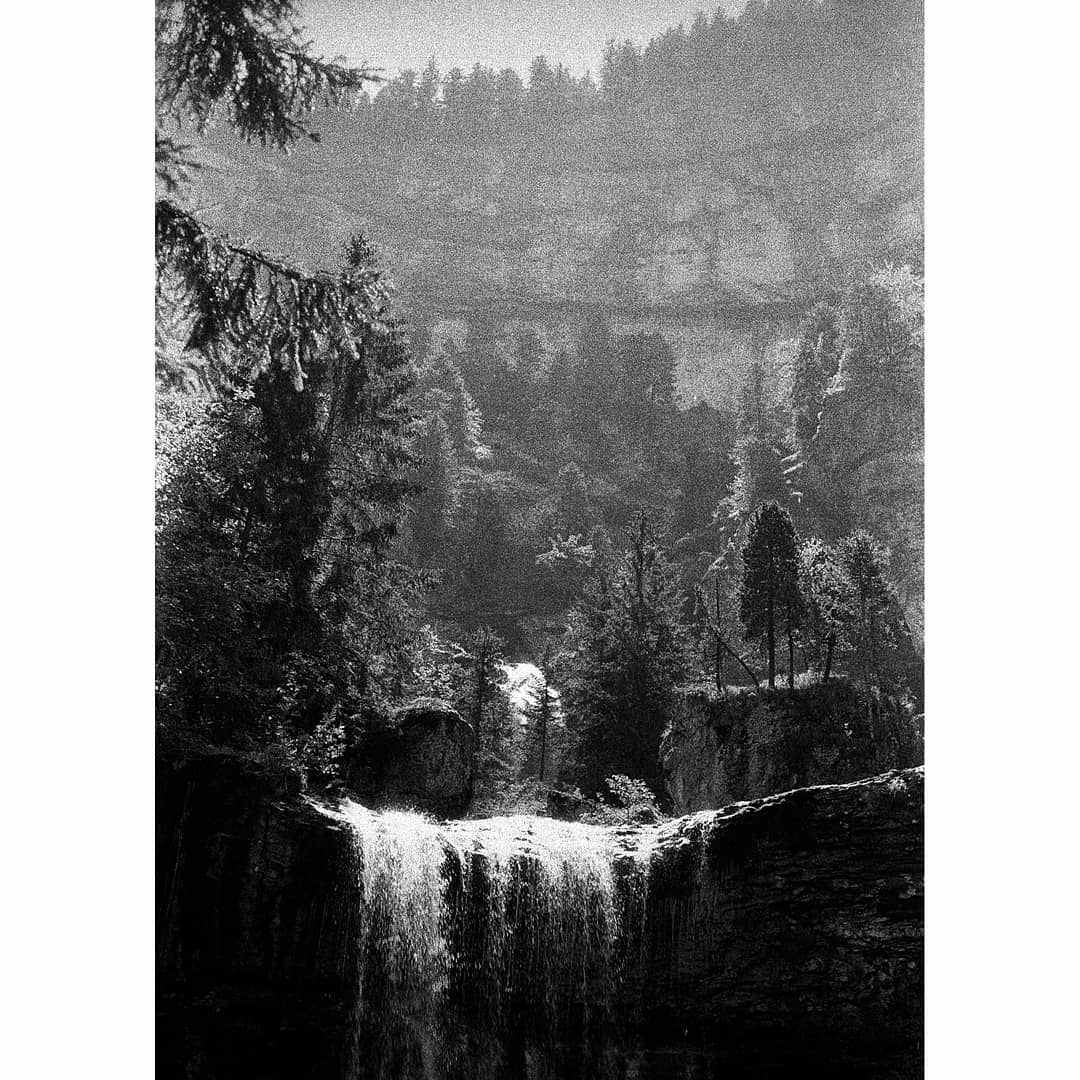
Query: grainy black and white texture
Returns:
{"type": "Point", "coordinates": [539, 539]}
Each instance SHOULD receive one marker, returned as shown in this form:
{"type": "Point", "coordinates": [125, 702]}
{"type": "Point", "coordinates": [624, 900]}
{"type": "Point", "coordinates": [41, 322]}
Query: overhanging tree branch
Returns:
{"type": "Point", "coordinates": [263, 306]}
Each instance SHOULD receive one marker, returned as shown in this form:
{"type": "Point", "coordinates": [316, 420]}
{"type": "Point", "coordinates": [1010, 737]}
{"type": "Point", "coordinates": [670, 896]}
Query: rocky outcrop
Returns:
{"type": "Point", "coordinates": [786, 935]}
{"type": "Point", "coordinates": [254, 924]}
{"type": "Point", "coordinates": [718, 751]}
{"type": "Point", "coordinates": [424, 758]}
{"type": "Point", "coordinates": [769, 937]}
{"type": "Point", "coordinates": [713, 227]}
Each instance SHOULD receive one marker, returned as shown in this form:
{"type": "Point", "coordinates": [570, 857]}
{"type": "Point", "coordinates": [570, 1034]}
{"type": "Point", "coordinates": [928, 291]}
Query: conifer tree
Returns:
{"type": "Point", "coordinates": [769, 599]}
{"type": "Point", "coordinates": [540, 715]}
{"type": "Point", "coordinates": [283, 537]}
{"type": "Point", "coordinates": [759, 448]}
{"type": "Point", "coordinates": [627, 645]}
{"type": "Point", "coordinates": [875, 624]}
{"type": "Point", "coordinates": [480, 700]}
{"type": "Point", "coordinates": [247, 62]}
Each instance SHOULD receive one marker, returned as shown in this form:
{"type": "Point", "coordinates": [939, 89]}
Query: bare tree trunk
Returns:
{"type": "Point", "coordinates": [771, 642]}
{"type": "Point", "coordinates": [718, 655]}
{"type": "Point", "coordinates": [543, 730]}
{"type": "Point", "coordinates": [731, 652]}
{"type": "Point", "coordinates": [828, 657]}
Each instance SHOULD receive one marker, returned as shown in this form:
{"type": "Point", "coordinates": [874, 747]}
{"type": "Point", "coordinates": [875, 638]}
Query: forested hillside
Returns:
{"type": "Point", "coordinates": [644, 408]}
{"type": "Point", "coordinates": [710, 186]}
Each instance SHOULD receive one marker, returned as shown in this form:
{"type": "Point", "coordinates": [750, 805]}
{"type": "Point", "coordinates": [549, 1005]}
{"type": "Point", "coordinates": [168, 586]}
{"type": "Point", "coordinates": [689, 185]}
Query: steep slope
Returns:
{"type": "Point", "coordinates": [710, 214]}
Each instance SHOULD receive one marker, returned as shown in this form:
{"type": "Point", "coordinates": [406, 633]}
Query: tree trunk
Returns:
{"type": "Point", "coordinates": [543, 731]}
{"type": "Point", "coordinates": [791, 659]}
{"type": "Point", "coordinates": [770, 629]}
{"type": "Point", "coordinates": [731, 652]}
{"type": "Point", "coordinates": [718, 655]}
{"type": "Point", "coordinates": [828, 657]}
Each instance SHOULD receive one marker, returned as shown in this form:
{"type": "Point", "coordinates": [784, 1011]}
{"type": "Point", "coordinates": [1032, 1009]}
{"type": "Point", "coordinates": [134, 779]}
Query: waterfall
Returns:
{"type": "Point", "coordinates": [479, 942]}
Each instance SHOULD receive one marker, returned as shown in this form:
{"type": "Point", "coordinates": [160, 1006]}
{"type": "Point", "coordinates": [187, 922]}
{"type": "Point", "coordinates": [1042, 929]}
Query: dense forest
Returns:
{"type": "Point", "coordinates": [358, 510]}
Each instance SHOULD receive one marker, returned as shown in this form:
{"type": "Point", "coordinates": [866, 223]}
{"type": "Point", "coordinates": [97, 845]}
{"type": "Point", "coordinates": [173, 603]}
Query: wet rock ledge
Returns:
{"type": "Point", "coordinates": [779, 935]}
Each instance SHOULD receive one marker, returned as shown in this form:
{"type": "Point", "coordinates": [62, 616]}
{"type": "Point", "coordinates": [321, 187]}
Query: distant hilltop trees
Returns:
{"type": "Point", "coordinates": [786, 54]}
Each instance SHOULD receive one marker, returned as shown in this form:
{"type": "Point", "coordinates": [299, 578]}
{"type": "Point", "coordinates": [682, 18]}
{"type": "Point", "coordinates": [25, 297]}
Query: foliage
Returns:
{"type": "Point", "coordinates": [830, 602]}
{"type": "Point", "coordinates": [769, 598]}
{"type": "Point", "coordinates": [283, 615]}
{"type": "Point", "coordinates": [627, 650]}
{"type": "Point", "coordinates": [760, 448]}
{"type": "Point", "coordinates": [246, 58]}
{"type": "Point", "coordinates": [634, 796]}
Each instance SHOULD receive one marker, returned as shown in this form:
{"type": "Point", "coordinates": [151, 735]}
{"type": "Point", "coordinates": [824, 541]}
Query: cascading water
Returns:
{"type": "Point", "coordinates": [485, 946]}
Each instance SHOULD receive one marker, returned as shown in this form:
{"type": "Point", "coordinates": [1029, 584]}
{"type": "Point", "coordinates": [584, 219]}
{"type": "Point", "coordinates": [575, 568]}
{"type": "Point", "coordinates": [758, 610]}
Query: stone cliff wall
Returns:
{"type": "Point", "coordinates": [785, 936]}
{"type": "Point", "coordinates": [716, 230]}
{"type": "Point", "coordinates": [254, 925]}
{"type": "Point", "coordinates": [718, 751]}
{"type": "Point", "coordinates": [774, 936]}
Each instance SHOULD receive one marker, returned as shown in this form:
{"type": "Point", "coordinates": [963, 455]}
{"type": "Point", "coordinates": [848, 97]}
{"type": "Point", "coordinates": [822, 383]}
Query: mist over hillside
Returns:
{"type": "Point", "coordinates": [710, 187]}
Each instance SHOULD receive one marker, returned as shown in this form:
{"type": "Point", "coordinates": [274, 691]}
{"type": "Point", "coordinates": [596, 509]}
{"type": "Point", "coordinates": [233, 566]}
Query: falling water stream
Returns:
{"type": "Point", "coordinates": [483, 946]}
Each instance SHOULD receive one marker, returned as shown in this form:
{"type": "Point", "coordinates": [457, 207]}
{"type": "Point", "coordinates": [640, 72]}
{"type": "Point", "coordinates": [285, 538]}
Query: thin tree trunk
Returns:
{"type": "Point", "coordinates": [543, 731]}
{"type": "Point", "coordinates": [771, 641]}
{"type": "Point", "coordinates": [791, 659]}
{"type": "Point", "coordinates": [718, 655]}
{"type": "Point", "coordinates": [731, 652]}
{"type": "Point", "coordinates": [828, 656]}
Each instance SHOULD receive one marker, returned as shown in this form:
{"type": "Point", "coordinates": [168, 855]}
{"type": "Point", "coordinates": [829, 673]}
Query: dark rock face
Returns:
{"type": "Point", "coordinates": [254, 914]}
{"type": "Point", "coordinates": [716, 752]}
{"type": "Point", "coordinates": [777, 936]}
{"type": "Point", "coordinates": [424, 760]}
{"type": "Point", "coordinates": [785, 935]}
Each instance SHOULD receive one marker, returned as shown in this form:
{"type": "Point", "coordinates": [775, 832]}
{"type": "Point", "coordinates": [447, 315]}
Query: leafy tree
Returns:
{"type": "Point", "coordinates": [626, 645]}
{"type": "Point", "coordinates": [297, 500]}
{"type": "Point", "coordinates": [438, 479]}
{"type": "Point", "coordinates": [769, 599]}
{"type": "Point", "coordinates": [645, 400]}
{"type": "Point", "coordinates": [816, 362]}
{"type": "Point", "coordinates": [703, 444]}
{"type": "Point", "coordinates": [830, 602]}
{"type": "Point", "coordinates": [634, 796]}
{"type": "Point", "coordinates": [862, 466]}
{"type": "Point", "coordinates": [573, 514]}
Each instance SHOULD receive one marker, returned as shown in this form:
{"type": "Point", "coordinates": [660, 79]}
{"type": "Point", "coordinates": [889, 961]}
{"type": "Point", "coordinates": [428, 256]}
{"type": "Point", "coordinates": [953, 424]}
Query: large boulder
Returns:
{"type": "Point", "coordinates": [751, 744]}
{"type": "Point", "coordinates": [423, 758]}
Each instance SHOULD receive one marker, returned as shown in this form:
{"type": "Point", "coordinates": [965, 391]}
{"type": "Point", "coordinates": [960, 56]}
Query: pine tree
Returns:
{"type": "Point", "coordinates": [281, 604]}
{"type": "Point", "coordinates": [540, 715]}
{"type": "Point", "coordinates": [303, 492]}
{"type": "Point", "coordinates": [243, 310]}
{"type": "Point", "coordinates": [480, 700]}
{"type": "Point", "coordinates": [627, 645]}
{"type": "Point", "coordinates": [770, 599]}
{"type": "Point", "coordinates": [875, 628]}
{"type": "Point", "coordinates": [759, 448]}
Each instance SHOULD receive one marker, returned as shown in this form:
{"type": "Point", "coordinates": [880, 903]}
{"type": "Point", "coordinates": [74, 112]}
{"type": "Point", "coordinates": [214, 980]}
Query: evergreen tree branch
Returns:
{"type": "Point", "coordinates": [241, 297]}
{"type": "Point", "coordinates": [250, 57]}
